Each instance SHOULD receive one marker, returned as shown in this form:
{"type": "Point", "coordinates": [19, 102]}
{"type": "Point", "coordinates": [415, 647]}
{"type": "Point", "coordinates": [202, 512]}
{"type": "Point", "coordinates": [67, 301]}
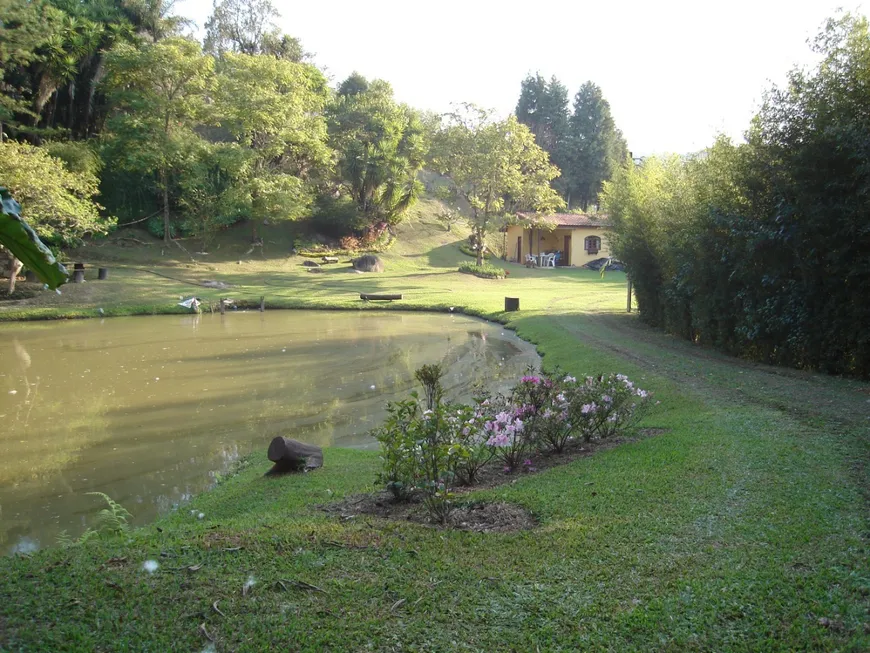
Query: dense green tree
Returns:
{"type": "Point", "coordinates": [56, 202]}
{"type": "Point", "coordinates": [543, 108]}
{"type": "Point", "coordinates": [496, 167]}
{"type": "Point", "coordinates": [353, 85]}
{"type": "Point", "coordinates": [248, 27]}
{"type": "Point", "coordinates": [274, 110]}
{"type": "Point", "coordinates": [159, 91]}
{"type": "Point", "coordinates": [380, 146]}
{"type": "Point", "coordinates": [595, 147]}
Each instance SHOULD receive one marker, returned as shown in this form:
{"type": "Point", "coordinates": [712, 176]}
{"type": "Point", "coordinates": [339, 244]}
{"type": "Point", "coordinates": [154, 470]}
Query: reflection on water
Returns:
{"type": "Point", "coordinates": [150, 410]}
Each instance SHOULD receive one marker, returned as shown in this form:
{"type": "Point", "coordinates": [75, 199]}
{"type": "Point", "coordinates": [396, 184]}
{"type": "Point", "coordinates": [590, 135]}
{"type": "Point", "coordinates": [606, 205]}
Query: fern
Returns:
{"type": "Point", "coordinates": [113, 519]}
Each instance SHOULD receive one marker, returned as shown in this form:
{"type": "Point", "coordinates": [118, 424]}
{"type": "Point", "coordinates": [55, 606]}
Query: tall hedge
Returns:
{"type": "Point", "coordinates": [763, 248]}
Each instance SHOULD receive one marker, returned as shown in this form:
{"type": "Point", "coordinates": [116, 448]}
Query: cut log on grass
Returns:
{"type": "Point", "coordinates": [379, 298]}
{"type": "Point", "coordinates": [293, 456]}
{"type": "Point", "coordinates": [330, 259]}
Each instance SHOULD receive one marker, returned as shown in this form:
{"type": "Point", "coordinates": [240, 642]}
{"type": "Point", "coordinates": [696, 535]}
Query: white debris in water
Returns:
{"type": "Point", "coordinates": [150, 566]}
{"type": "Point", "coordinates": [373, 387]}
{"type": "Point", "coordinates": [15, 392]}
{"type": "Point", "coordinates": [250, 582]}
{"type": "Point", "coordinates": [156, 378]}
{"type": "Point", "coordinates": [283, 350]}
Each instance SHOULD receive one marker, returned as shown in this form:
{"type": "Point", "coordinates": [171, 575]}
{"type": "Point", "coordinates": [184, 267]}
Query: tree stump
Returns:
{"type": "Point", "coordinates": [293, 456]}
{"type": "Point", "coordinates": [511, 304]}
{"type": "Point", "coordinates": [78, 276]}
{"type": "Point", "coordinates": [102, 274]}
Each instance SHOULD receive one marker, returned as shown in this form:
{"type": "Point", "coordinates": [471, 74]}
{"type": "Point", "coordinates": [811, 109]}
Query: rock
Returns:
{"type": "Point", "coordinates": [318, 270]}
{"type": "Point", "coordinates": [215, 284]}
{"type": "Point", "coordinates": [310, 264]}
{"type": "Point", "coordinates": [368, 263]}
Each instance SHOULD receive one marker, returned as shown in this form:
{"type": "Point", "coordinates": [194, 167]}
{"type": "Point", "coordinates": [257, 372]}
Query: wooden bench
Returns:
{"type": "Point", "coordinates": [368, 297]}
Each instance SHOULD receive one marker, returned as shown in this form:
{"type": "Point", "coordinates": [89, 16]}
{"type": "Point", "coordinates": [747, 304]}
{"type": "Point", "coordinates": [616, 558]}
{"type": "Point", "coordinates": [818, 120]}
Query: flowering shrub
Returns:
{"type": "Point", "coordinates": [350, 243]}
{"type": "Point", "coordinates": [429, 450]}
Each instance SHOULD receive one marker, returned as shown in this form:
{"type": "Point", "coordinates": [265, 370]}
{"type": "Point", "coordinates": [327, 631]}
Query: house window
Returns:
{"type": "Point", "coordinates": [592, 244]}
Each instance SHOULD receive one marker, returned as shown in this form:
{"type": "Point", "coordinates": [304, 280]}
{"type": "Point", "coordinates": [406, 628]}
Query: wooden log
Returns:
{"type": "Point", "coordinates": [379, 298]}
{"type": "Point", "coordinates": [223, 306]}
{"type": "Point", "coordinates": [262, 303]}
{"type": "Point", "coordinates": [330, 259]}
{"type": "Point", "coordinates": [78, 275]}
{"type": "Point", "coordinates": [511, 304]}
{"type": "Point", "coordinates": [292, 455]}
{"type": "Point", "coordinates": [102, 274]}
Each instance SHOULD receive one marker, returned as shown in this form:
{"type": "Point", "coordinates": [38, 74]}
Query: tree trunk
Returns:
{"type": "Point", "coordinates": [165, 182]}
{"type": "Point", "coordinates": [292, 455]}
{"type": "Point", "coordinates": [14, 268]}
{"type": "Point", "coordinates": [479, 238]}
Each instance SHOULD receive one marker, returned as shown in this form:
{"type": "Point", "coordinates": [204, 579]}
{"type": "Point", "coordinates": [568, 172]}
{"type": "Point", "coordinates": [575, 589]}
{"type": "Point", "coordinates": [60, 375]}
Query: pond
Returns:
{"type": "Point", "coordinates": [150, 410]}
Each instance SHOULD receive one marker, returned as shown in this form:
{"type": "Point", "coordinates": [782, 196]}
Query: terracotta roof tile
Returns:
{"type": "Point", "coordinates": [570, 219]}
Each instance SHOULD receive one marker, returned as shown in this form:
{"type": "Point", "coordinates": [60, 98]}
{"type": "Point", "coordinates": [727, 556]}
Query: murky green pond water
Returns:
{"type": "Point", "coordinates": [150, 409]}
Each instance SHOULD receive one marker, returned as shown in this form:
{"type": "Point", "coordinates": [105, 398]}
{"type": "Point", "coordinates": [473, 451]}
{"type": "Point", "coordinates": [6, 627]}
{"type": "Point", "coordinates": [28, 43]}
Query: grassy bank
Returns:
{"type": "Point", "coordinates": [741, 528]}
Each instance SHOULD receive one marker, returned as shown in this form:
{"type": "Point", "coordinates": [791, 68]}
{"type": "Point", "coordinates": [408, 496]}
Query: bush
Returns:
{"type": "Point", "coordinates": [421, 449]}
{"type": "Point", "coordinates": [349, 243]}
{"type": "Point", "coordinates": [485, 271]}
{"type": "Point", "coordinates": [428, 451]}
{"type": "Point", "coordinates": [466, 249]}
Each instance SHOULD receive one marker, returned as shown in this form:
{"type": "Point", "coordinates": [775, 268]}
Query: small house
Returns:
{"type": "Point", "coordinates": [574, 238]}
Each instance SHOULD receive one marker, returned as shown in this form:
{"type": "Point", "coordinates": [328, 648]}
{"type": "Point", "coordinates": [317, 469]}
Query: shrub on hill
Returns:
{"type": "Point", "coordinates": [485, 271]}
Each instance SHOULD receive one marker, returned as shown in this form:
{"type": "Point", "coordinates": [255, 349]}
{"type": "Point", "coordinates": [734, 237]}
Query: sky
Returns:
{"type": "Point", "coordinates": [676, 72]}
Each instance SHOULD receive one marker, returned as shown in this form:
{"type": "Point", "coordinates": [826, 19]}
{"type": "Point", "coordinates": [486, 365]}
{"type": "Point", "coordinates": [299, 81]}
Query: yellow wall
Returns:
{"type": "Point", "coordinates": [578, 249]}
{"type": "Point", "coordinates": [512, 234]}
{"type": "Point", "coordinates": [555, 240]}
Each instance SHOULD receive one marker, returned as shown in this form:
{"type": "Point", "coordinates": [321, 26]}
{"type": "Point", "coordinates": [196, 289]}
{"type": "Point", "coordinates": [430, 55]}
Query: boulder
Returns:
{"type": "Point", "coordinates": [310, 264]}
{"type": "Point", "coordinates": [368, 263]}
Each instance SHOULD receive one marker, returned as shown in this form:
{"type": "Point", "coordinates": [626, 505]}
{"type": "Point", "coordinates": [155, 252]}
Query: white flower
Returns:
{"type": "Point", "coordinates": [150, 566]}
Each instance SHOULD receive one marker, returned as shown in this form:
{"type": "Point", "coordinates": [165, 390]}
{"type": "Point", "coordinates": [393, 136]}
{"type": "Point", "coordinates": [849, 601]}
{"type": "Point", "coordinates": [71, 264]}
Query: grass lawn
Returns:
{"type": "Point", "coordinates": [743, 527]}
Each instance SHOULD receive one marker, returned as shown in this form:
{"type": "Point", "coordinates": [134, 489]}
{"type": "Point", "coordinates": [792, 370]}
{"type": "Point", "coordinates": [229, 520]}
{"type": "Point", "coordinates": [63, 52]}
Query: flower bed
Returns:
{"type": "Point", "coordinates": [428, 451]}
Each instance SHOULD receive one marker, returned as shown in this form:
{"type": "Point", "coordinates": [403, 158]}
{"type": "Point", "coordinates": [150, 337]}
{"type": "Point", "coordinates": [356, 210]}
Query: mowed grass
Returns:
{"type": "Point", "coordinates": [742, 527]}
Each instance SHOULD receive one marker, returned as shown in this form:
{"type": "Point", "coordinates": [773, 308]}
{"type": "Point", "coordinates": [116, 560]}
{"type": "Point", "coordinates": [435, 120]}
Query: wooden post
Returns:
{"type": "Point", "coordinates": [78, 276]}
{"type": "Point", "coordinates": [628, 297]}
{"type": "Point", "coordinates": [223, 306]}
{"type": "Point", "coordinates": [102, 274]}
{"type": "Point", "coordinates": [262, 303]}
{"type": "Point", "coordinates": [511, 304]}
{"type": "Point", "coordinates": [30, 276]}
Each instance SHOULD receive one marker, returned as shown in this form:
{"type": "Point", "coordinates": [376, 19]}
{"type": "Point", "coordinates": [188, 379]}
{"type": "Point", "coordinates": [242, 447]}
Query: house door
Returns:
{"type": "Point", "coordinates": [566, 252]}
{"type": "Point", "coordinates": [519, 249]}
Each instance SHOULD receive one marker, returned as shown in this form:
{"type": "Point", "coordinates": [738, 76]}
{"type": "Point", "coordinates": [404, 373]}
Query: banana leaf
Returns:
{"type": "Point", "coordinates": [20, 239]}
